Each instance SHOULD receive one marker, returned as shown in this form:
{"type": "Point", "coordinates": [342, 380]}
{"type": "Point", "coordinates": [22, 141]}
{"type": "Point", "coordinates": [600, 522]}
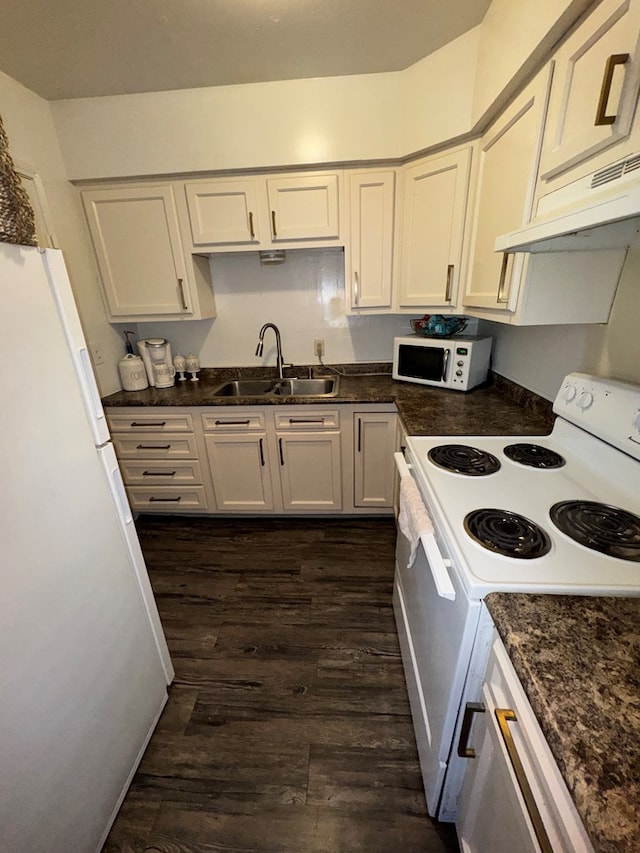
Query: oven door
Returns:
{"type": "Point", "coordinates": [436, 640]}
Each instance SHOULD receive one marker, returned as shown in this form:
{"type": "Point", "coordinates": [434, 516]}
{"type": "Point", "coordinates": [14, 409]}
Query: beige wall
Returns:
{"type": "Point", "coordinates": [33, 143]}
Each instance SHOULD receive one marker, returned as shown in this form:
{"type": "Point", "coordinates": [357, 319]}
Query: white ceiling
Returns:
{"type": "Point", "coordinates": [81, 48]}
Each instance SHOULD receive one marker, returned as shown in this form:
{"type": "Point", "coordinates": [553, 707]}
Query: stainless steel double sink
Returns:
{"type": "Point", "coordinates": [323, 387]}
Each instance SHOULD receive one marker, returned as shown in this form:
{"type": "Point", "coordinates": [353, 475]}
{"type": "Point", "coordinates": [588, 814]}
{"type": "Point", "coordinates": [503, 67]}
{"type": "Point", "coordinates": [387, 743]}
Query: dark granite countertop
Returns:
{"type": "Point", "coordinates": [578, 659]}
{"type": "Point", "coordinates": [497, 408]}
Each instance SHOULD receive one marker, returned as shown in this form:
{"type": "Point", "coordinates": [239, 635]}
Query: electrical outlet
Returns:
{"type": "Point", "coordinates": [96, 355]}
{"type": "Point", "coordinates": [318, 347]}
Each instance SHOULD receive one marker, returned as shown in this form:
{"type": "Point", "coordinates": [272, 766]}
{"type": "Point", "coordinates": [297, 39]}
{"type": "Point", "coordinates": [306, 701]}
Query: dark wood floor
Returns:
{"type": "Point", "coordinates": [288, 726]}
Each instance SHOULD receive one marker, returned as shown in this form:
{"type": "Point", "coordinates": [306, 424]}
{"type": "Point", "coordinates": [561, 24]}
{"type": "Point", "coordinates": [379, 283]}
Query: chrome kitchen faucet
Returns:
{"type": "Point", "coordinates": [279, 360]}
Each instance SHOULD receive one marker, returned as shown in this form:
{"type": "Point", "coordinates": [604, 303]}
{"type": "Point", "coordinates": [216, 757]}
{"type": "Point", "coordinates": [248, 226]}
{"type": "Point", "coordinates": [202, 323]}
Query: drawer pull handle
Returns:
{"type": "Point", "coordinates": [233, 423]}
{"type": "Point", "coordinates": [183, 301]}
{"type": "Point", "coordinates": [306, 420]}
{"type": "Point", "coordinates": [273, 224]}
{"type": "Point", "coordinates": [505, 716]}
{"type": "Point", "coordinates": [153, 499]}
{"type": "Point", "coordinates": [153, 446]}
{"type": "Point", "coordinates": [471, 708]}
{"type": "Point", "coordinates": [252, 233]}
{"type": "Point", "coordinates": [447, 293]}
{"type": "Point", "coordinates": [503, 279]}
{"type": "Point", "coordinates": [148, 424]}
{"type": "Point", "coordinates": [159, 473]}
{"type": "Point", "coordinates": [605, 89]}
{"type": "Point", "coordinates": [356, 287]}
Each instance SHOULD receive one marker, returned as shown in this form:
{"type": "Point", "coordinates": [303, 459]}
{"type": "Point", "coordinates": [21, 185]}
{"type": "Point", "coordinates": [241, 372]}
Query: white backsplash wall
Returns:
{"type": "Point", "coordinates": [304, 297]}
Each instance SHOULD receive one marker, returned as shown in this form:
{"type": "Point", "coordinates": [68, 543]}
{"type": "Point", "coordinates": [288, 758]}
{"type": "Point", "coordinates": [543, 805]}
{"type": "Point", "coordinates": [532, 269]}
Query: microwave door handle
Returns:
{"type": "Point", "coordinates": [445, 364]}
{"type": "Point", "coordinates": [438, 565]}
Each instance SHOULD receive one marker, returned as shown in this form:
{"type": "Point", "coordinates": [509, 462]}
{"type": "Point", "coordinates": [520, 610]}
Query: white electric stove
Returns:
{"type": "Point", "coordinates": [595, 445]}
{"type": "Point", "coordinates": [553, 514]}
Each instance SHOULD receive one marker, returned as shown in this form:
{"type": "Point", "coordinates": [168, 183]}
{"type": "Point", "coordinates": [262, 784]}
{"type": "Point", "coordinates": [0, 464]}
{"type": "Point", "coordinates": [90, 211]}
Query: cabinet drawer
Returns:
{"type": "Point", "coordinates": [161, 472]}
{"type": "Point", "coordinates": [307, 419]}
{"type": "Point", "coordinates": [167, 498]}
{"type": "Point", "coordinates": [150, 422]}
{"type": "Point", "coordinates": [153, 446]}
{"type": "Point", "coordinates": [234, 421]}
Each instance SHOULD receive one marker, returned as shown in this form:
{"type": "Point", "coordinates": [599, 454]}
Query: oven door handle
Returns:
{"type": "Point", "coordinates": [438, 565]}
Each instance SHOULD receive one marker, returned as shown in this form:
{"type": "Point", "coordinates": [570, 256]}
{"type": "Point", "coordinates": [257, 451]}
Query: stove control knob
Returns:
{"type": "Point", "coordinates": [458, 373]}
{"type": "Point", "coordinates": [460, 363]}
{"type": "Point", "coordinates": [585, 400]}
{"type": "Point", "coordinates": [569, 393]}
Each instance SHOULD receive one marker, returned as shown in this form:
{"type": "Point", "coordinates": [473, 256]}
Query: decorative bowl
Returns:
{"type": "Point", "coordinates": [438, 326]}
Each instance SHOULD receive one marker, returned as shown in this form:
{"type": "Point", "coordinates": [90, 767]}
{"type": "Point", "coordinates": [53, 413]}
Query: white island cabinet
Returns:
{"type": "Point", "coordinates": [513, 796]}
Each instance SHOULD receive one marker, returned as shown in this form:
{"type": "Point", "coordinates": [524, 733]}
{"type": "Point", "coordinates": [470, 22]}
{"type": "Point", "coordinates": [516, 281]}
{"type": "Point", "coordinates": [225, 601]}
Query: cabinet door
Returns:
{"type": "Point", "coordinates": [223, 212]}
{"type": "Point", "coordinates": [492, 813]}
{"type": "Point", "coordinates": [508, 162]}
{"type": "Point", "coordinates": [310, 470]}
{"type": "Point", "coordinates": [240, 471]}
{"type": "Point", "coordinates": [435, 200]}
{"type": "Point", "coordinates": [374, 444]}
{"type": "Point", "coordinates": [371, 205]}
{"type": "Point", "coordinates": [136, 237]}
{"type": "Point", "coordinates": [595, 87]}
{"type": "Point", "coordinates": [303, 207]}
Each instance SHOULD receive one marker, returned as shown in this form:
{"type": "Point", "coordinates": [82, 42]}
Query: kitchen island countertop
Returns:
{"type": "Point", "coordinates": [496, 408]}
{"type": "Point", "coordinates": [578, 659]}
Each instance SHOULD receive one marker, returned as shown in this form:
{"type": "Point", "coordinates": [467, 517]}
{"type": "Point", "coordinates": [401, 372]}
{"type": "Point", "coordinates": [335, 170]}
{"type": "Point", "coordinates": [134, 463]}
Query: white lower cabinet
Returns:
{"type": "Point", "coordinates": [159, 454]}
{"type": "Point", "coordinates": [374, 444]}
{"type": "Point", "coordinates": [513, 796]}
{"type": "Point", "coordinates": [257, 459]}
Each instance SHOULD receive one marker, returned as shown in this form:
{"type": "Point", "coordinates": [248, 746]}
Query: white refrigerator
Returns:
{"type": "Point", "coordinates": [84, 663]}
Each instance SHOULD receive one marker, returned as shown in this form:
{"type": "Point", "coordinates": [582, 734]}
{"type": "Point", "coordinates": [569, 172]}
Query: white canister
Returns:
{"type": "Point", "coordinates": [132, 373]}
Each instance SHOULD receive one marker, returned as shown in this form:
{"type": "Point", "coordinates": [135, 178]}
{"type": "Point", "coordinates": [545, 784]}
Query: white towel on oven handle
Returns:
{"type": "Point", "coordinates": [413, 519]}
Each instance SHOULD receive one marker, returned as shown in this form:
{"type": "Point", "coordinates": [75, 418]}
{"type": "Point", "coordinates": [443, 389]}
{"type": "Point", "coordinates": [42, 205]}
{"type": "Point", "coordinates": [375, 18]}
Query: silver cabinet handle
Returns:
{"type": "Point", "coordinates": [447, 293]}
{"type": "Point", "coordinates": [605, 88]}
{"type": "Point", "coordinates": [471, 708]}
{"type": "Point", "coordinates": [356, 288]}
{"type": "Point", "coordinates": [183, 301]}
{"type": "Point", "coordinates": [503, 279]}
{"type": "Point", "coordinates": [505, 716]}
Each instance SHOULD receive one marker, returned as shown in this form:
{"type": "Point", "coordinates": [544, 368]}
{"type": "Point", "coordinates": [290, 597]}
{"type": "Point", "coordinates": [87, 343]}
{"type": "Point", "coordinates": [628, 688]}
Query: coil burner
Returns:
{"type": "Point", "coordinates": [507, 533]}
{"type": "Point", "coordinates": [534, 456]}
{"type": "Point", "coordinates": [601, 527]}
{"type": "Point", "coordinates": [462, 459]}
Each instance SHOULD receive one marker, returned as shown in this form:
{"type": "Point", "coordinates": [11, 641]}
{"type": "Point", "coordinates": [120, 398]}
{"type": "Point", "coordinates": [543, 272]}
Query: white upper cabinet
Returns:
{"type": "Point", "coordinates": [369, 251]}
{"type": "Point", "coordinates": [261, 212]}
{"type": "Point", "coordinates": [303, 207]}
{"type": "Point", "coordinates": [144, 272]}
{"type": "Point", "coordinates": [507, 169]}
{"type": "Point", "coordinates": [595, 89]}
{"type": "Point", "coordinates": [223, 212]}
{"type": "Point", "coordinates": [435, 193]}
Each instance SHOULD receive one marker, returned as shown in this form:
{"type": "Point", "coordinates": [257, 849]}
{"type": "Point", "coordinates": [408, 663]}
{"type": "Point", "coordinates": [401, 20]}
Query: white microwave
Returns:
{"type": "Point", "coordinates": [458, 363]}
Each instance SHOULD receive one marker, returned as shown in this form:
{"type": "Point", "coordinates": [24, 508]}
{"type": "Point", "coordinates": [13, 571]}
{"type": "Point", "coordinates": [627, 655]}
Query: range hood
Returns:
{"type": "Point", "coordinates": [598, 211]}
